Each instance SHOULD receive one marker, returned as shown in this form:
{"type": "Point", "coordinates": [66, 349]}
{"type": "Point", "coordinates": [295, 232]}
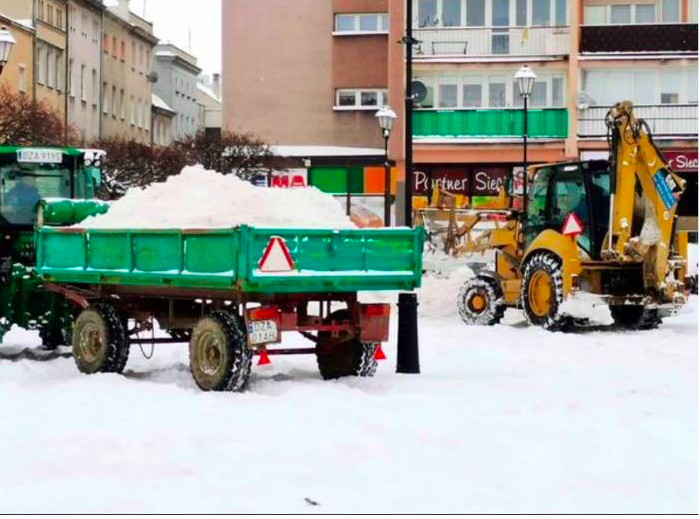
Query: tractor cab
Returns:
{"type": "Point", "coordinates": [29, 175]}
{"type": "Point", "coordinates": [557, 190]}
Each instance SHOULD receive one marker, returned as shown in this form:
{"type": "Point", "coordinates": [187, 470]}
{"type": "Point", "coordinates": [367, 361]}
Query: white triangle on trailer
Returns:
{"type": "Point", "coordinates": [572, 225]}
{"type": "Point", "coordinates": [276, 257]}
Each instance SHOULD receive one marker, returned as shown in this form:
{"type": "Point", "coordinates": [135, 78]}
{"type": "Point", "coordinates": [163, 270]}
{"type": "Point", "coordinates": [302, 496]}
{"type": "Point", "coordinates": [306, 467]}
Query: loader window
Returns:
{"type": "Point", "coordinates": [570, 197]}
{"type": "Point", "coordinates": [538, 195]}
{"type": "Point", "coordinates": [23, 186]}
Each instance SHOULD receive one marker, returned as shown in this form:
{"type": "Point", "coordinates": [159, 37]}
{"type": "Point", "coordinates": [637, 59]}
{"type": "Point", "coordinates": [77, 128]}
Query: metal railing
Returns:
{"type": "Point", "coordinates": [489, 41]}
{"type": "Point", "coordinates": [664, 120]}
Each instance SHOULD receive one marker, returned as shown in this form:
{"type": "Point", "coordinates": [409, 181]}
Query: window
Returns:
{"type": "Point", "coordinates": [451, 13]}
{"type": "Point", "coordinates": [132, 110]}
{"type": "Point", "coordinates": [557, 92]}
{"type": "Point", "coordinates": [59, 18]}
{"type": "Point", "coordinates": [693, 12]}
{"type": "Point", "coordinates": [58, 70]}
{"type": "Point", "coordinates": [561, 18]}
{"type": "Point", "coordinates": [359, 99]}
{"type": "Point", "coordinates": [471, 96]}
{"type": "Point", "coordinates": [476, 13]}
{"type": "Point", "coordinates": [40, 14]}
{"type": "Point", "coordinates": [122, 54]}
{"type": "Point", "coordinates": [693, 86]}
{"type": "Point", "coordinates": [447, 95]}
{"type": "Point", "coordinates": [105, 43]}
{"type": "Point", "coordinates": [49, 14]}
{"type": "Point", "coordinates": [83, 90]}
{"type": "Point", "coordinates": [540, 13]}
{"type": "Point", "coordinates": [427, 13]}
{"type": "Point", "coordinates": [133, 55]}
{"type": "Point", "coordinates": [539, 95]}
{"type": "Point", "coordinates": [670, 87]}
{"type": "Point", "coordinates": [40, 59]}
{"type": "Point", "coordinates": [22, 78]}
{"type": "Point", "coordinates": [95, 31]}
{"type": "Point", "coordinates": [361, 22]}
{"type": "Point", "coordinates": [521, 13]}
{"type": "Point", "coordinates": [114, 46]}
{"type": "Point", "coordinates": [670, 11]}
{"type": "Point", "coordinates": [594, 15]}
{"type": "Point", "coordinates": [51, 69]}
{"type": "Point", "coordinates": [645, 13]}
{"type": "Point", "coordinates": [114, 101]}
{"type": "Point", "coordinates": [644, 87]}
{"type": "Point", "coordinates": [500, 16]}
{"type": "Point", "coordinates": [84, 24]}
{"type": "Point", "coordinates": [497, 93]}
{"type": "Point", "coordinates": [122, 108]}
{"type": "Point", "coordinates": [138, 113]}
{"type": "Point", "coordinates": [620, 14]}
{"type": "Point", "coordinates": [105, 99]}
{"type": "Point", "coordinates": [94, 94]}
{"type": "Point", "coordinates": [71, 84]}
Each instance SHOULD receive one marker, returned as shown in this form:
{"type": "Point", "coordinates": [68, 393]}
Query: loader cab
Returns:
{"type": "Point", "coordinates": [557, 190]}
{"type": "Point", "coordinates": [28, 175]}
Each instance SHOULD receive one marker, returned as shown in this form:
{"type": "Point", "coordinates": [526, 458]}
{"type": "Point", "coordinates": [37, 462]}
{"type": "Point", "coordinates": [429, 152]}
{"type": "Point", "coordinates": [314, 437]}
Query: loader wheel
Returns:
{"type": "Point", "coordinates": [344, 356]}
{"type": "Point", "coordinates": [478, 302]}
{"type": "Point", "coordinates": [542, 292]}
{"type": "Point", "coordinates": [99, 341]}
{"type": "Point", "coordinates": [636, 317]}
{"type": "Point", "coordinates": [220, 359]}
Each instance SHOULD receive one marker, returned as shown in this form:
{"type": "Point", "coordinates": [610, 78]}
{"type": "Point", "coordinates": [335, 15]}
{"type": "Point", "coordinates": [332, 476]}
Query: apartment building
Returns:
{"type": "Point", "coordinates": [162, 120]}
{"type": "Point", "coordinates": [17, 75]}
{"type": "Point", "coordinates": [84, 67]}
{"type": "Point", "coordinates": [48, 18]}
{"type": "Point", "coordinates": [210, 106]}
{"type": "Point", "coordinates": [127, 75]}
{"type": "Point", "coordinates": [177, 86]}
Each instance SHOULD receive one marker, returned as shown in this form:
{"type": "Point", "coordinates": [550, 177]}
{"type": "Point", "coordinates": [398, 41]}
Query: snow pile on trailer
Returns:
{"type": "Point", "coordinates": [198, 198]}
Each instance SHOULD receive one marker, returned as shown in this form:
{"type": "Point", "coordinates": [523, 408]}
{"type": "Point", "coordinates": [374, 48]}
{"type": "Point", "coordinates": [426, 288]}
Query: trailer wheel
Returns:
{"type": "Point", "coordinates": [478, 302]}
{"type": "Point", "coordinates": [344, 356]}
{"type": "Point", "coordinates": [542, 292]}
{"type": "Point", "coordinates": [220, 359]}
{"type": "Point", "coordinates": [636, 317]}
{"type": "Point", "coordinates": [99, 341]}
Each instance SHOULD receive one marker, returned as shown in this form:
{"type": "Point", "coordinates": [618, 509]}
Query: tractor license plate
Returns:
{"type": "Point", "coordinates": [263, 332]}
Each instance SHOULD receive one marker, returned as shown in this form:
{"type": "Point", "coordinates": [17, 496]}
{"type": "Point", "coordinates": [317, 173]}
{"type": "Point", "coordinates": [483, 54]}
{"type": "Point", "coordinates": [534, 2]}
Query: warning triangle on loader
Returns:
{"type": "Point", "coordinates": [572, 225]}
{"type": "Point", "coordinates": [276, 257]}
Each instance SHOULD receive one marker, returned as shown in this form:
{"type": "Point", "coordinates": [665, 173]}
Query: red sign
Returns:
{"type": "Point", "coordinates": [572, 225]}
{"type": "Point", "coordinates": [682, 160]}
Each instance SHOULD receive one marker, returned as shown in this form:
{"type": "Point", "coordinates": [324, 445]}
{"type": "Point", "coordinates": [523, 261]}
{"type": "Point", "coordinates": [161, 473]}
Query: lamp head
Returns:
{"type": "Point", "coordinates": [526, 79]}
{"type": "Point", "coordinates": [6, 44]}
{"type": "Point", "coordinates": [386, 117]}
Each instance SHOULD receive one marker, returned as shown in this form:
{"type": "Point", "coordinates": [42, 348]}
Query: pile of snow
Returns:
{"type": "Point", "coordinates": [198, 198]}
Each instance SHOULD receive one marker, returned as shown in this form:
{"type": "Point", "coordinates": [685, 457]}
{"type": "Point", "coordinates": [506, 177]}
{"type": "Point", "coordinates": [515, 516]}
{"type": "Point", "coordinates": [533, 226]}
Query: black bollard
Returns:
{"type": "Point", "coordinates": [407, 360]}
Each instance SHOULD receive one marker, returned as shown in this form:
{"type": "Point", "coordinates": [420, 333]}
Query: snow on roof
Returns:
{"type": "Point", "coordinates": [159, 103]}
{"type": "Point", "coordinates": [324, 151]}
{"type": "Point", "coordinates": [208, 91]}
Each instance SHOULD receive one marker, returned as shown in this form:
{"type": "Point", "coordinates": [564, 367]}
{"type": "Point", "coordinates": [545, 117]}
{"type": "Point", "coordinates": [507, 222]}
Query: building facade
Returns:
{"type": "Point", "coordinates": [162, 117]}
{"type": "Point", "coordinates": [127, 78]}
{"type": "Point", "coordinates": [177, 86]}
{"type": "Point", "coordinates": [84, 67]}
{"type": "Point", "coordinates": [18, 74]}
{"type": "Point", "coordinates": [210, 106]}
{"type": "Point", "coordinates": [48, 18]}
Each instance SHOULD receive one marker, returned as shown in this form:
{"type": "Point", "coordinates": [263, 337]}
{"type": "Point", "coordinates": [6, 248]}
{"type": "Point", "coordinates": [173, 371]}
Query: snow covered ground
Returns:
{"type": "Point", "coordinates": [504, 419]}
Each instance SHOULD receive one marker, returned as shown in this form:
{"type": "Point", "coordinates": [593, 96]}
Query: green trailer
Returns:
{"type": "Point", "coordinates": [230, 293]}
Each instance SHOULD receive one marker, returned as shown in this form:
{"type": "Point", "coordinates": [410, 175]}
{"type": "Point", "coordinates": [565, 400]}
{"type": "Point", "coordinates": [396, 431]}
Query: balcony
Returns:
{"type": "Point", "coordinates": [480, 42]}
{"type": "Point", "coordinates": [677, 37]}
{"type": "Point", "coordinates": [549, 123]}
{"type": "Point", "coordinates": [664, 120]}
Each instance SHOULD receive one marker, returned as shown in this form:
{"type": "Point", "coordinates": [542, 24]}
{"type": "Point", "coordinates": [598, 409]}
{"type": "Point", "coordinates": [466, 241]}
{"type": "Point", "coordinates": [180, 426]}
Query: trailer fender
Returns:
{"type": "Point", "coordinates": [563, 247]}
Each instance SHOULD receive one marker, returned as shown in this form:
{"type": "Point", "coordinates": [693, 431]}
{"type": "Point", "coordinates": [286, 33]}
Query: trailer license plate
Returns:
{"type": "Point", "coordinates": [262, 332]}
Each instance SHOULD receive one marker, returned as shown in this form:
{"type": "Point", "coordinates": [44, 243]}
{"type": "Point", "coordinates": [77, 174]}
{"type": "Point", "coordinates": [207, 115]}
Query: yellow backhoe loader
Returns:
{"type": "Point", "coordinates": [586, 234]}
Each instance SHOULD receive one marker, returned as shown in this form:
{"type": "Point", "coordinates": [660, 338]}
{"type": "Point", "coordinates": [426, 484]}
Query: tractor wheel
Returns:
{"type": "Point", "coordinates": [220, 359]}
{"type": "Point", "coordinates": [344, 356]}
{"type": "Point", "coordinates": [99, 341]}
{"type": "Point", "coordinates": [542, 292]}
{"type": "Point", "coordinates": [478, 302]}
{"type": "Point", "coordinates": [636, 317]}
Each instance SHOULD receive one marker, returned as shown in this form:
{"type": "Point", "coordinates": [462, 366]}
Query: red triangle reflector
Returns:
{"type": "Point", "coordinates": [264, 359]}
{"type": "Point", "coordinates": [379, 353]}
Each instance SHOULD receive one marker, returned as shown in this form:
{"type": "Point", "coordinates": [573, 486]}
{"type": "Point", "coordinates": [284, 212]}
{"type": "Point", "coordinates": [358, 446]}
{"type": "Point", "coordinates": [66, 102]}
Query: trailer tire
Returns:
{"type": "Point", "coordinates": [100, 344]}
{"type": "Point", "coordinates": [478, 302]}
{"type": "Point", "coordinates": [636, 317]}
{"type": "Point", "coordinates": [542, 292]}
{"type": "Point", "coordinates": [340, 357]}
{"type": "Point", "coordinates": [220, 359]}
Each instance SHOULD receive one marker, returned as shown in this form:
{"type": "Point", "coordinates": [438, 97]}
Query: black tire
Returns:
{"type": "Point", "coordinates": [52, 338]}
{"type": "Point", "coordinates": [344, 356]}
{"type": "Point", "coordinates": [99, 341]}
{"type": "Point", "coordinates": [636, 317]}
{"type": "Point", "coordinates": [543, 272]}
{"type": "Point", "coordinates": [220, 359]}
{"type": "Point", "coordinates": [479, 302]}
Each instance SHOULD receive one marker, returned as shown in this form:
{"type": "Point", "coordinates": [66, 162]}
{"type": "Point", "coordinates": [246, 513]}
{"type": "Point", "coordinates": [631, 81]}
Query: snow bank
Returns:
{"type": "Point", "coordinates": [198, 198]}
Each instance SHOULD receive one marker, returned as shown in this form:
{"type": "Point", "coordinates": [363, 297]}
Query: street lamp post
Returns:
{"type": "Point", "coordinates": [6, 44]}
{"type": "Point", "coordinates": [526, 79]}
{"type": "Point", "coordinates": [386, 117]}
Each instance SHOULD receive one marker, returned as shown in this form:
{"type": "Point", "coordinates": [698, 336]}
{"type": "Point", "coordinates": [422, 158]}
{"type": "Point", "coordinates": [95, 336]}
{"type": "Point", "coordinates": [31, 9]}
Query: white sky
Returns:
{"type": "Point", "coordinates": [174, 19]}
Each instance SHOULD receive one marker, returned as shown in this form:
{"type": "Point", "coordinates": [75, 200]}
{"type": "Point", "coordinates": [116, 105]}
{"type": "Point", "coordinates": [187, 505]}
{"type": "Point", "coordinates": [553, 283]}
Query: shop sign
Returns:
{"type": "Point", "coordinates": [468, 180]}
{"type": "Point", "coordinates": [682, 160]}
{"type": "Point", "coordinates": [289, 179]}
{"type": "Point", "coordinates": [488, 181]}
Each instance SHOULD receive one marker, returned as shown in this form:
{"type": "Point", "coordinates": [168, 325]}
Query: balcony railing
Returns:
{"type": "Point", "coordinates": [664, 120]}
{"type": "Point", "coordinates": [676, 37]}
{"type": "Point", "coordinates": [490, 123]}
{"type": "Point", "coordinates": [471, 42]}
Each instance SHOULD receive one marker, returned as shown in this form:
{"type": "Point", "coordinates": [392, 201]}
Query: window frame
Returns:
{"type": "Point", "coordinates": [382, 20]}
{"type": "Point", "coordinates": [381, 93]}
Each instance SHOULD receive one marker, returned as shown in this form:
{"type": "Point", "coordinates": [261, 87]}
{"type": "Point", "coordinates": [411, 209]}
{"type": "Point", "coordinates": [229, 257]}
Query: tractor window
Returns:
{"type": "Point", "coordinates": [23, 186]}
{"type": "Point", "coordinates": [537, 205]}
{"type": "Point", "coordinates": [569, 196]}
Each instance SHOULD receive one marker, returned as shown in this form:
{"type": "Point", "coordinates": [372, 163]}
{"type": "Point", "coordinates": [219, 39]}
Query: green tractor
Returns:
{"type": "Point", "coordinates": [28, 176]}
